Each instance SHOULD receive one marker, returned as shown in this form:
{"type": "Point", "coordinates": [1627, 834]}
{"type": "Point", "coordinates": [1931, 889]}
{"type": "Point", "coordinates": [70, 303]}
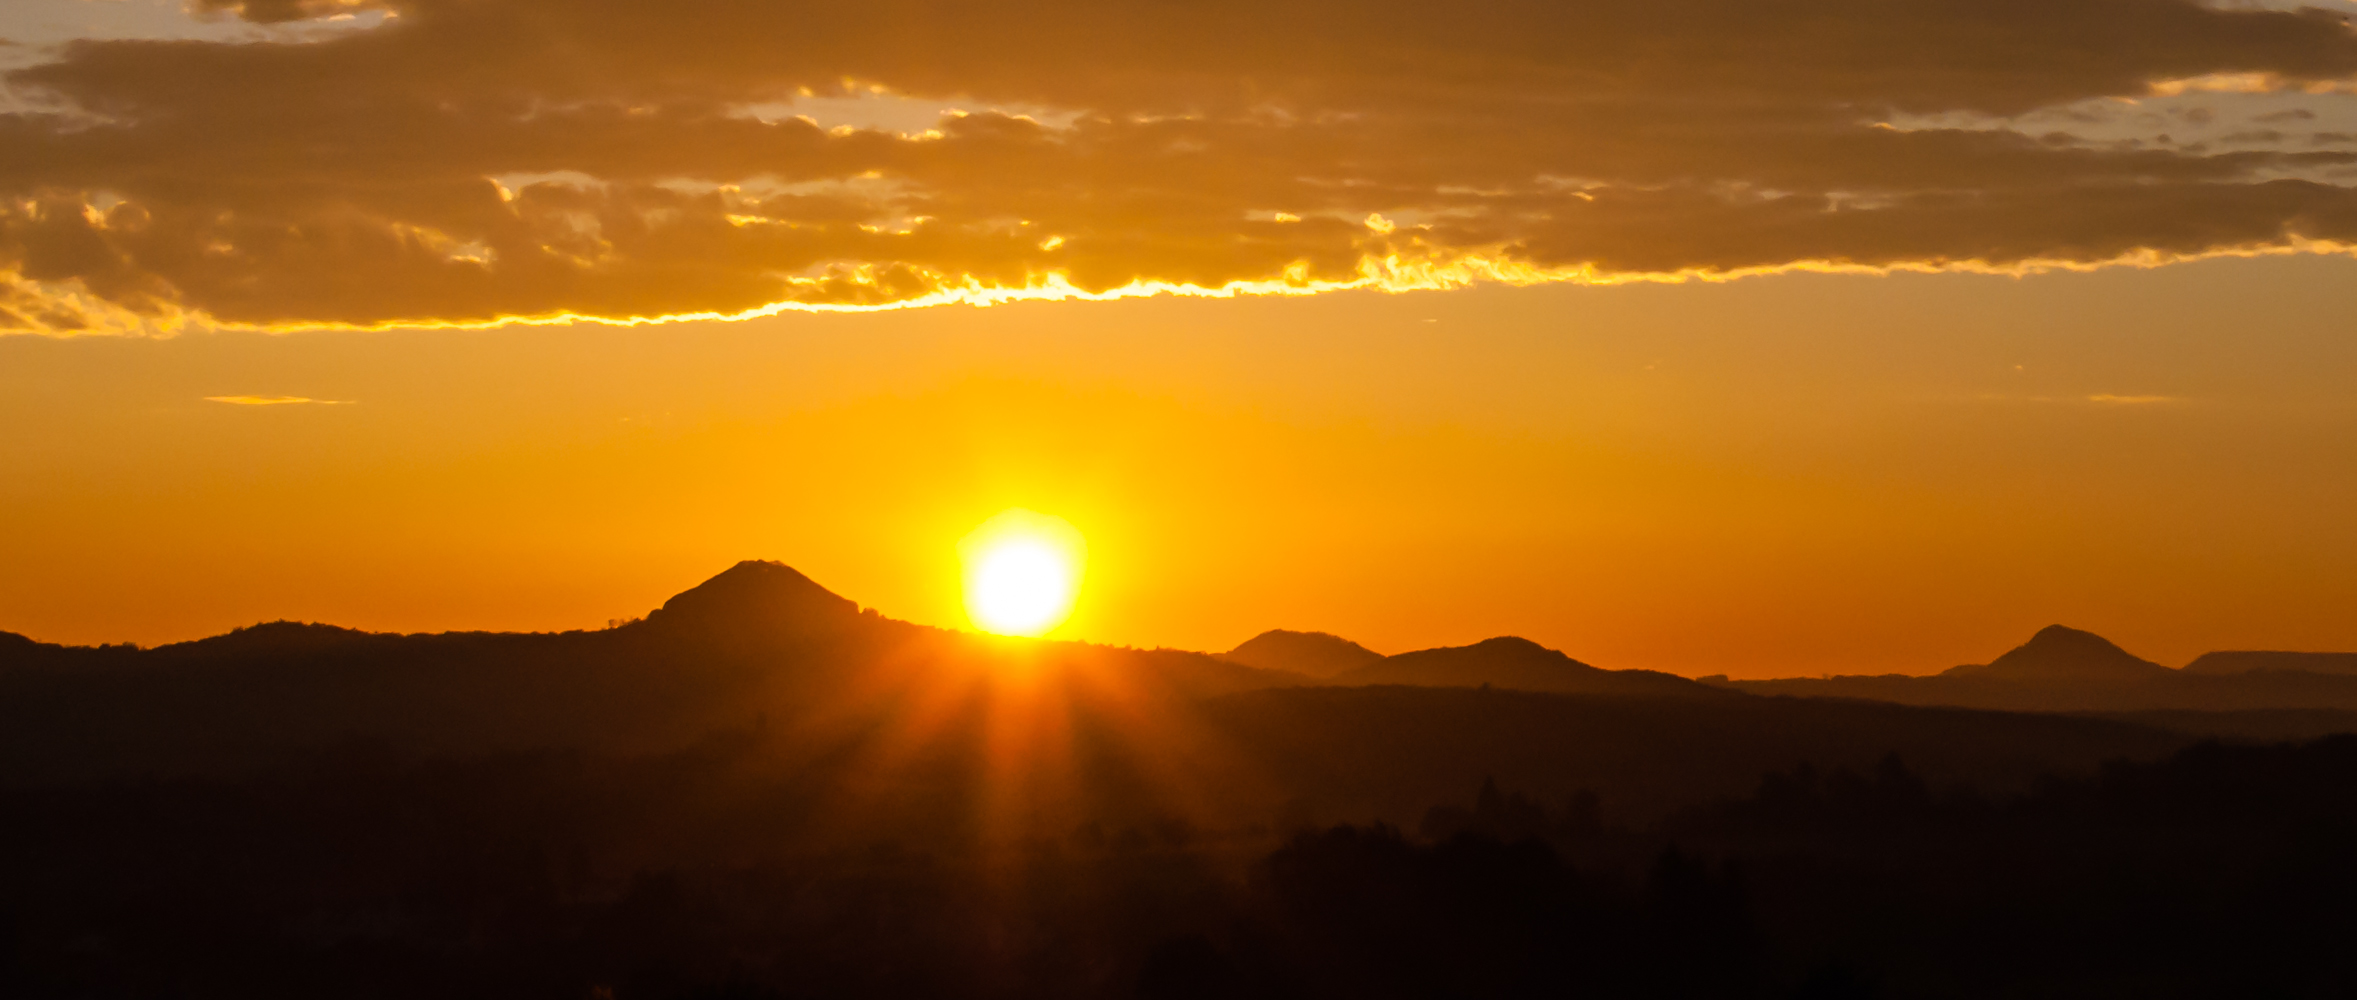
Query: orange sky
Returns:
{"type": "Point", "coordinates": [2086, 360]}
{"type": "Point", "coordinates": [1784, 475]}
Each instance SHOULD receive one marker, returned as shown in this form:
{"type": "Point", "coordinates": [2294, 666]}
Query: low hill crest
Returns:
{"type": "Point", "coordinates": [2063, 669]}
{"type": "Point", "coordinates": [757, 640]}
{"type": "Point", "coordinates": [2251, 661]}
{"type": "Point", "coordinates": [2059, 652]}
{"type": "Point", "coordinates": [1311, 654]}
{"type": "Point", "coordinates": [1514, 662]}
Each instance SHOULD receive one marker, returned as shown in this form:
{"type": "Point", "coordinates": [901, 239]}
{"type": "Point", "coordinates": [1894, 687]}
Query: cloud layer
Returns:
{"type": "Point", "coordinates": [470, 161]}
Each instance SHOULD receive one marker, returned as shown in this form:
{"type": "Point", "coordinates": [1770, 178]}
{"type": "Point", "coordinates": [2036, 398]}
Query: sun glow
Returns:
{"type": "Point", "coordinates": [1022, 572]}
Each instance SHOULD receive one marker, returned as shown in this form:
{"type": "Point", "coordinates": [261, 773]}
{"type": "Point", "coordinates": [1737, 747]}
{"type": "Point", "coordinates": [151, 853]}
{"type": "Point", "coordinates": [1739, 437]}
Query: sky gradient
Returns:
{"type": "Point", "coordinates": [1791, 474]}
{"type": "Point", "coordinates": [1707, 337]}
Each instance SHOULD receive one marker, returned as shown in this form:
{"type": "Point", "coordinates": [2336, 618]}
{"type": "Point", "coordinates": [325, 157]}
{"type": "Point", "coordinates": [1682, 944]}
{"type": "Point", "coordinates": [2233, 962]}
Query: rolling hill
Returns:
{"type": "Point", "coordinates": [883, 724]}
{"type": "Point", "coordinates": [1312, 654]}
{"type": "Point", "coordinates": [2067, 670]}
{"type": "Point", "coordinates": [1520, 664]}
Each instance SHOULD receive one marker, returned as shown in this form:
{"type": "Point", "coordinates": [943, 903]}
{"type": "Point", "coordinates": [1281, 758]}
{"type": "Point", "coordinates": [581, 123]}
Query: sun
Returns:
{"type": "Point", "coordinates": [1022, 572]}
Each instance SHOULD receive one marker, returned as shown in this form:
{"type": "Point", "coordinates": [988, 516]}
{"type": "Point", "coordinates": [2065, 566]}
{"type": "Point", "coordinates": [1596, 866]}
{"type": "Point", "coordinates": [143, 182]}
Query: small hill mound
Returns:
{"type": "Point", "coordinates": [2058, 653]}
{"type": "Point", "coordinates": [1520, 664]}
{"type": "Point", "coordinates": [268, 640]}
{"type": "Point", "coordinates": [755, 597]}
{"type": "Point", "coordinates": [2252, 661]}
{"type": "Point", "coordinates": [1314, 654]}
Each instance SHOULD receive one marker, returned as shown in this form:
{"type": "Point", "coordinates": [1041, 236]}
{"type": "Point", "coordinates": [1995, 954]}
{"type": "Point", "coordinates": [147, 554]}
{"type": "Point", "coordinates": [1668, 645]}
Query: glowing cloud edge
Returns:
{"type": "Point", "coordinates": [1389, 272]}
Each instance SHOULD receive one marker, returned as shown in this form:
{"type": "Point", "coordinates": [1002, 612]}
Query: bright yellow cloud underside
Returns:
{"type": "Point", "coordinates": [1389, 274]}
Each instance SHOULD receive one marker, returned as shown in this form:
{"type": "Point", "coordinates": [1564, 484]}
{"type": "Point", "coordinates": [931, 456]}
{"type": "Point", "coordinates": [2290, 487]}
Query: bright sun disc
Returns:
{"type": "Point", "coordinates": [1022, 572]}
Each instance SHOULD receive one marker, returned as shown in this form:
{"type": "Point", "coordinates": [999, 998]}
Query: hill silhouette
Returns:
{"type": "Point", "coordinates": [761, 647]}
{"type": "Point", "coordinates": [2063, 669]}
{"type": "Point", "coordinates": [757, 641]}
{"type": "Point", "coordinates": [2058, 653]}
{"type": "Point", "coordinates": [900, 719]}
{"type": "Point", "coordinates": [1311, 654]}
{"type": "Point", "coordinates": [761, 641]}
{"type": "Point", "coordinates": [756, 601]}
{"type": "Point", "coordinates": [2257, 661]}
{"type": "Point", "coordinates": [1520, 664]}
{"type": "Point", "coordinates": [762, 790]}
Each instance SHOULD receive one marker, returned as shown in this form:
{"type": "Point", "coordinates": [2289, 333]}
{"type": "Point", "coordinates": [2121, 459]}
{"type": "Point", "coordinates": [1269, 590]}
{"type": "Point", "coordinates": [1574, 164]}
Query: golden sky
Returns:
{"type": "Point", "coordinates": [303, 223]}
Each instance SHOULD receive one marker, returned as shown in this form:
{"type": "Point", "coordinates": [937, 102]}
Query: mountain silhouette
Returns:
{"type": "Point", "coordinates": [2257, 661]}
{"type": "Point", "coordinates": [762, 790]}
{"type": "Point", "coordinates": [2061, 653]}
{"type": "Point", "coordinates": [2253, 694]}
{"type": "Point", "coordinates": [757, 599]}
{"type": "Point", "coordinates": [761, 645]}
{"type": "Point", "coordinates": [1520, 664]}
{"type": "Point", "coordinates": [1311, 654]}
{"type": "Point", "coordinates": [758, 641]}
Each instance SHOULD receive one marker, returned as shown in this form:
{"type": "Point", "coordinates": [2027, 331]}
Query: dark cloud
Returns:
{"type": "Point", "coordinates": [476, 159]}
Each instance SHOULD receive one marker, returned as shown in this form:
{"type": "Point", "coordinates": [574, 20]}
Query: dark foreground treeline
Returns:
{"type": "Point", "coordinates": [2222, 871]}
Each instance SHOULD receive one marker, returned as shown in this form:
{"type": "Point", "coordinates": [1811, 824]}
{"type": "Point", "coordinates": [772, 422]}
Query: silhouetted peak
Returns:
{"type": "Point", "coordinates": [1317, 654]}
{"type": "Point", "coordinates": [2059, 652]}
{"type": "Point", "coordinates": [2059, 641]}
{"type": "Point", "coordinates": [1514, 645]}
{"type": "Point", "coordinates": [756, 594]}
{"type": "Point", "coordinates": [2061, 636]}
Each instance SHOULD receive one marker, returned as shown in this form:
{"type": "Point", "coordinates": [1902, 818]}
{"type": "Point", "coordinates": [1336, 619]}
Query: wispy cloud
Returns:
{"type": "Point", "coordinates": [2112, 400]}
{"type": "Point", "coordinates": [277, 401]}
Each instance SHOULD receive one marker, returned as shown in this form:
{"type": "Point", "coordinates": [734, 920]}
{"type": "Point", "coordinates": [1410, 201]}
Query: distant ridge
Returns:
{"type": "Point", "coordinates": [1519, 664]}
{"type": "Point", "coordinates": [2061, 653]}
{"type": "Point", "coordinates": [268, 639]}
{"type": "Point", "coordinates": [1313, 654]}
{"type": "Point", "coordinates": [2257, 661]}
{"type": "Point", "coordinates": [758, 640]}
{"type": "Point", "coordinates": [2068, 670]}
{"type": "Point", "coordinates": [761, 639]}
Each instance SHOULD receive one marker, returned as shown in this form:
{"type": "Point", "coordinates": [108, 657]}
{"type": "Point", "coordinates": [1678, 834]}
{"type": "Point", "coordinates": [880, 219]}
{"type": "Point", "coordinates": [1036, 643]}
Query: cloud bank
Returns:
{"type": "Point", "coordinates": [480, 161]}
